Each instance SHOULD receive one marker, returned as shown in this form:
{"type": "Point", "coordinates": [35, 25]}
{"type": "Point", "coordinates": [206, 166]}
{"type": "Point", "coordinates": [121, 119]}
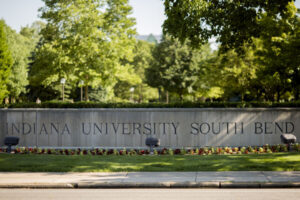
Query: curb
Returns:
{"type": "Point", "coordinates": [115, 185]}
{"type": "Point", "coordinates": [240, 185]}
{"type": "Point", "coordinates": [281, 185]}
{"type": "Point", "coordinates": [39, 185]}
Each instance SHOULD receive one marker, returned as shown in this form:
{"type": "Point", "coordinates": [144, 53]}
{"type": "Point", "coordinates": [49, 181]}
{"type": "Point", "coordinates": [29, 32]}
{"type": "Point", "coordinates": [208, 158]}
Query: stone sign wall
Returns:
{"type": "Point", "coordinates": [130, 127]}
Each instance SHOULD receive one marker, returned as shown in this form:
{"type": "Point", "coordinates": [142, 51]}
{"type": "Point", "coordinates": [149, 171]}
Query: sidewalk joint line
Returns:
{"type": "Point", "coordinates": [268, 179]}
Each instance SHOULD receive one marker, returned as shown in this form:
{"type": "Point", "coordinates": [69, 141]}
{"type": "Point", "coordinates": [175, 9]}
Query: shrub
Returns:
{"type": "Point", "coordinates": [243, 149]}
{"type": "Point", "coordinates": [60, 104]}
{"type": "Point", "coordinates": [182, 151]}
{"type": "Point", "coordinates": [177, 151]}
{"type": "Point", "coordinates": [123, 152]}
{"type": "Point", "coordinates": [132, 152]}
{"type": "Point", "coordinates": [170, 151]}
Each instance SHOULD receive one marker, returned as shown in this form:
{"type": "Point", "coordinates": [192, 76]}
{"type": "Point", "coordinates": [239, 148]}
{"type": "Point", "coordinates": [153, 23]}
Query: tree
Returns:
{"type": "Point", "coordinates": [209, 83]}
{"type": "Point", "coordinates": [5, 62]}
{"type": "Point", "coordinates": [84, 40]}
{"type": "Point", "coordinates": [278, 55]}
{"type": "Point", "coordinates": [237, 72]}
{"type": "Point", "coordinates": [134, 76]}
{"type": "Point", "coordinates": [174, 67]}
{"type": "Point", "coordinates": [232, 22]}
{"type": "Point", "coordinates": [21, 45]}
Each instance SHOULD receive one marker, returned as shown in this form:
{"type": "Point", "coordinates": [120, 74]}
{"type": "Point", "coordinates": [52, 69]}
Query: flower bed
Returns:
{"type": "Point", "coordinates": [190, 151]}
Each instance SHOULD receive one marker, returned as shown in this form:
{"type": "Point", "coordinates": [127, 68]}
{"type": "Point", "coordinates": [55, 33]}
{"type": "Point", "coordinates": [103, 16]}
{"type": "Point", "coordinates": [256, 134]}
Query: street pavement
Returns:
{"type": "Point", "coordinates": [239, 179]}
{"type": "Point", "coordinates": [150, 194]}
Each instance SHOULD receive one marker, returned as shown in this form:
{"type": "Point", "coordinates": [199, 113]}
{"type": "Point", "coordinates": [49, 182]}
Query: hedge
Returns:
{"type": "Point", "coordinates": [57, 104]}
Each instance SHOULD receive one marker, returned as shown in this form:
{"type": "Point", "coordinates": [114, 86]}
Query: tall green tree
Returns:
{"type": "Point", "coordinates": [21, 46]}
{"type": "Point", "coordinates": [5, 62]}
{"type": "Point", "coordinates": [237, 72]}
{"type": "Point", "coordinates": [208, 85]}
{"type": "Point", "coordinates": [174, 67]}
{"type": "Point", "coordinates": [232, 22]}
{"type": "Point", "coordinates": [84, 40]}
{"type": "Point", "coordinates": [278, 55]}
{"type": "Point", "coordinates": [132, 83]}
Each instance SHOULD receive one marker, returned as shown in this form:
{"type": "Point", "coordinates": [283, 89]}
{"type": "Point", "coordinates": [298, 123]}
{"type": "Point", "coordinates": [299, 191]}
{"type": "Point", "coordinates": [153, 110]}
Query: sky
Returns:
{"type": "Point", "coordinates": [149, 14]}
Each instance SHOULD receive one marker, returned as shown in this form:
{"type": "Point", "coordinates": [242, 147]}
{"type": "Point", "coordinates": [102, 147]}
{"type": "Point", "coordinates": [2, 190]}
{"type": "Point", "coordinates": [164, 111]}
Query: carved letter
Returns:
{"type": "Point", "coordinates": [43, 129]}
{"type": "Point", "coordinates": [164, 128]}
{"type": "Point", "coordinates": [23, 128]}
{"type": "Point", "coordinates": [54, 127]}
{"type": "Point", "coordinates": [258, 126]}
{"type": "Point", "coordinates": [89, 131]}
{"type": "Point", "coordinates": [208, 128]}
{"type": "Point", "coordinates": [280, 128]}
{"type": "Point", "coordinates": [267, 127]}
{"type": "Point", "coordinates": [14, 127]}
{"type": "Point", "coordinates": [125, 130]}
{"type": "Point", "coordinates": [138, 127]}
{"type": "Point", "coordinates": [175, 127]}
{"type": "Point", "coordinates": [194, 127]}
{"type": "Point", "coordinates": [66, 128]}
{"type": "Point", "coordinates": [292, 127]}
{"type": "Point", "coordinates": [242, 127]}
{"type": "Point", "coordinates": [147, 128]}
{"type": "Point", "coordinates": [213, 130]}
{"type": "Point", "coordinates": [115, 128]}
{"type": "Point", "coordinates": [98, 128]}
{"type": "Point", "coordinates": [227, 126]}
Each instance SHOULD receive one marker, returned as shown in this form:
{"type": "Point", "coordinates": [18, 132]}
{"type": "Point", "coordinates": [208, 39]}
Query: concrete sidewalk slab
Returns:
{"type": "Point", "coordinates": [282, 176]}
{"type": "Point", "coordinates": [240, 179]}
{"type": "Point", "coordinates": [229, 176]}
{"type": "Point", "coordinates": [152, 177]}
{"type": "Point", "coordinates": [57, 177]}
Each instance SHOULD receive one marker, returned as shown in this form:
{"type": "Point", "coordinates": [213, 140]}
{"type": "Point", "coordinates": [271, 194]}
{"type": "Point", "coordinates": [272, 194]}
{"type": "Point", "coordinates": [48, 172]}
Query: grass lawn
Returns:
{"type": "Point", "coordinates": [63, 163]}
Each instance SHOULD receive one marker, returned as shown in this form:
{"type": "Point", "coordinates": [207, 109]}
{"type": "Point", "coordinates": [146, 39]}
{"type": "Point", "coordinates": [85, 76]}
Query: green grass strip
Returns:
{"type": "Point", "coordinates": [179, 163]}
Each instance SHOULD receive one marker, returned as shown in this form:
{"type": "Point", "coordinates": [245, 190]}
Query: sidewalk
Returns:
{"type": "Point", "coordinates": [244, 179]}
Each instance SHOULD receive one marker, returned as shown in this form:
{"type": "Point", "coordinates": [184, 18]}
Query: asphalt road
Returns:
{"type": "Point", "coordinates": [147, 194]}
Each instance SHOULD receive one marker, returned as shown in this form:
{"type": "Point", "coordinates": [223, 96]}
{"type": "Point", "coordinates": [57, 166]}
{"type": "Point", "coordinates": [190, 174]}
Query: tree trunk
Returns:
{"type": "Point", "coordinates": [12, 100]}
{"type": "Point", "coordinates": [167, 97]}
{"type": "Point", "coordinates": [278, 95]}
{"type": "Point", "coordinates": [181, 97]}
{"type": "Point", "coordinates": [86, 93]}
{"type": "Point", "coordinates": [159, 94]}
{"type": "Point", "coordinates": [141, 95]}
{"type": "Point", "coordinates": [296, 95]}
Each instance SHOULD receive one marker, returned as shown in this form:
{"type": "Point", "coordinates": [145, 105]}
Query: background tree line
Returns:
{"type": "Point", "coordinates": [92, 45]}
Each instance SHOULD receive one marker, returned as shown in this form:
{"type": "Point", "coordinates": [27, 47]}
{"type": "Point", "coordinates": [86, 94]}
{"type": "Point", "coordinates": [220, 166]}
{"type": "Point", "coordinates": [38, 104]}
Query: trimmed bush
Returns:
{"type": "Point", "coordinates": [59, 104]}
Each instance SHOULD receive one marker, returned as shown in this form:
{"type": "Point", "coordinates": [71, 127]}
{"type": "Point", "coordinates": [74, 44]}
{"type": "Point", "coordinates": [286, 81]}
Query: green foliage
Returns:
{"type": "Point", "coordinates": [174, 67]}
{"type": "Point", "coordinates": [268, 70]}
{"type": "Point", "coordinates": [83, 40]}
{"type": "Point", "coordinates": [236, 72]}
{"type": "Point", "coordinates": [134, 76]}
{"type": "Point", "coordinates": [278, 55]}
{"type": "Point", "coordinates": [232, 22]}
{"type": "Point", "coordinates": [93, 41]}
{"type": "Point", "coordinates": [59, 104]}
{"type": "Point", "coordinates": [6, 62]}
{"type": "Point", "coordinates": [21, 45]}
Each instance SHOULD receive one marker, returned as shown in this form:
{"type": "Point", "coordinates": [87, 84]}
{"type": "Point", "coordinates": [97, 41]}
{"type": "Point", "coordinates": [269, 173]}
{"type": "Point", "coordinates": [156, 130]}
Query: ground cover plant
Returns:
{"type": "Point", "coordinates": [266, 158]}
